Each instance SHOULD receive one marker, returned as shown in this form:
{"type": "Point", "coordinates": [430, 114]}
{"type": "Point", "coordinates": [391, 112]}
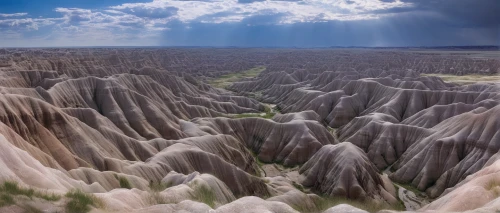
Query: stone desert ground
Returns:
{"type": "Point", "coordinates": [249, 130]}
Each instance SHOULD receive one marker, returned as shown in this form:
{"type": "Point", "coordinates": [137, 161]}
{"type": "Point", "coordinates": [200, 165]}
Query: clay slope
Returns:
{"type": "Point", "coordinates": [344, 170]}
{"type": "Point", "coordinates": [420, 127]}
{"type": "Point", "coordinates": [432, 159]}
{"type": "Point", "coordinates": [66, 139]}
{"type": "Point", "coordinates": [143, 131]}
{"type": "Point", "coordinates": [477, 193]}
{"type": "Point", "coordinates": [361, 97]}
{"type": "Point", "coordinates": [288, 143]}
{"type": "Point", "coordinates": [469, 141]}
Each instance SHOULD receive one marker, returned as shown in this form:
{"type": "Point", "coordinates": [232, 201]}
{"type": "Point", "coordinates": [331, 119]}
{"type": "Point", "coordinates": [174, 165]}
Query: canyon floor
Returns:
{"type": "Point", "coordinates": [249, 130]}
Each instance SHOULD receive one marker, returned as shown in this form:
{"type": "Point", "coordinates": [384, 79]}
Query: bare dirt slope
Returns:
{"type": "Point", "coordinates": [320, 130]}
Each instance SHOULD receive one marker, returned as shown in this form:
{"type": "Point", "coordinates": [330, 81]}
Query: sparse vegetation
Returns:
{"type": "Point", "coordinates": [409, 187]}
{"type": "Point", "coordinates": [158, 186]}
{"type": "Point", "coordinates": [254, 95]}
{"type": "Point", "coordinates": [124, 183]}
{"type": "Point", "coordinates": [6, 199]}
{"type": "Point", "coordinates": [206, 195]}
{"type": "Point", "coordinates": [160, 97]}
{"type": "Point", "coordinates": [267, 115]}
{"type": "Point", "coordinates": [31, 209]}
{"type": "Point", "coordinates": [13, 188]}
{"type": "Point", "coordinates": [260, 171]}
{"type": "Point", "coordinates": [81, 202]}
{"type": "Point", "coordinates": [298, 186]}
{"type": "Point", "coordinates": [156, 198]}
{"type": "Point", "coordinates": [277, 108]}
{"type": "Point", "coordinates": [258, 161]}
{"type": "Point", "coordinates": [47, 196]}
{"type": "Point", "coordinates": [10, 189]}
{"type": "Point", "coordinates": [466, 79]}
{"type": "Point", "coordinates": [225, 81]}
{"type": "Point", "coordinates": [333, 131]}
{"type": "Point", "coordinates": [493, 186]}
{"type": "Point", "coordinates": [493, 183]}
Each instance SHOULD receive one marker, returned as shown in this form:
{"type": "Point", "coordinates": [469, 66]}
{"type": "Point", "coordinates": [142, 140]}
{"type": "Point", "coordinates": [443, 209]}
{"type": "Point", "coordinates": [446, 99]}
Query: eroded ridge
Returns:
{"type": "Point", "coordinates": [236, 130]}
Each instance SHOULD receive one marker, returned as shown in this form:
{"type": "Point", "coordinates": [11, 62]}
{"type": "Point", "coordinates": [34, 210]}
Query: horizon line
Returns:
{"type": "Point", "coordinates": [271, 47]}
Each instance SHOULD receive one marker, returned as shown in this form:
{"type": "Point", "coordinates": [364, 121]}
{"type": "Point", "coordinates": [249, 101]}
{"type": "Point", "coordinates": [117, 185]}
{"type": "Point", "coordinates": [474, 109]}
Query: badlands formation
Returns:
{"type": "Point", "coordinates": [248, 130]}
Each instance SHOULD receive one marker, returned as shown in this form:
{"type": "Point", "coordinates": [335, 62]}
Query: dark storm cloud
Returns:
{"type": "Point", "coordinates": [419, 28]}
{"type": "Point", "coordinates": [475, 13]}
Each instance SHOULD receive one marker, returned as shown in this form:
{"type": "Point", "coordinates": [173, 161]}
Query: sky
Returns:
{"type": "Point", "coordinates": [249, 23]}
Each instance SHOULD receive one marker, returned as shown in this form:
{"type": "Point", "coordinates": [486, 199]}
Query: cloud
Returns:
{"type": "Point", "coordinates": [98, 26]}
{"type": "Point", "coordinates": [74, 16]}
{"type": "Point", "coordinates": [25, 23]}
{"type": "Point", "coordinates": [484, 13]}
{"type": "Point", "coordinates": [4, 15]}
{"type": "Point", "coordinates": [85, 19]}
{"type": "Point", "coordinates": [408, 29]}
{"type": "Point", "coordinates": [222, 11]}
{"type": "Point", "coordinates": [266, 22]}
{"type": "Point", "coordinates": [152, 13]}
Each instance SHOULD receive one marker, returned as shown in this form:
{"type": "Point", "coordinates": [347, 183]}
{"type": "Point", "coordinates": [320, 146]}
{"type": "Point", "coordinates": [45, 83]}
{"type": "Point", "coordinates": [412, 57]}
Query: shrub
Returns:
{"type": "Point", "coordinates": [124, 183]}
{"type": "Point", "coordinates": [48, 197]}
{"type": "Point", "coordinates": [6, 199]}
{"type": "Point", "coordinates": [81, 202]}
{"type": "Point", "coordinates": [12, 188]}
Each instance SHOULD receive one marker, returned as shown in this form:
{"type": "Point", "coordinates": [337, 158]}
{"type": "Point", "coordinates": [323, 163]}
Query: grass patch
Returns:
{"type": "Point", "coordinates": [225, 81]}
{"type": "Point", "coordinates": [155, 198]}
{"type": "Point", "coordinates": [6, 199]}
{"type": "Point", "coordinates": [254, 95]}
{"type": "Point", "coordinates": [298, 186]}
{"type": "Point", "coordinates": [266, 115]}
{"type": "Point", "coordinates": [31, 209]}
{"type": "Point", "coordinates": [277, 108]}
{"type": "Point", "coordinates": [267, 109]}
{"type": "Point", "coordinates": [48, 197]}
{"type": "Point", "coordinates": [81, 202]}
{"type": "Point", "coordinates": [206, 195]}
{"type": "Point", "coordinates": [466, 79]}
{"type": "Point", "coordinates": [332, 131]}
{"type": "Point", "coordinates": [260, 171]}
{"type": "Point", "coordinates": [124, 183]}
{"type": "Point", "coordinates": [158, 186]}
{"type": "Point", "coordinates": [410, 188]}
{"type": "Point", "coordinates": [11, 188]}
{"type": "Point", "coordinates": [258, 161]}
